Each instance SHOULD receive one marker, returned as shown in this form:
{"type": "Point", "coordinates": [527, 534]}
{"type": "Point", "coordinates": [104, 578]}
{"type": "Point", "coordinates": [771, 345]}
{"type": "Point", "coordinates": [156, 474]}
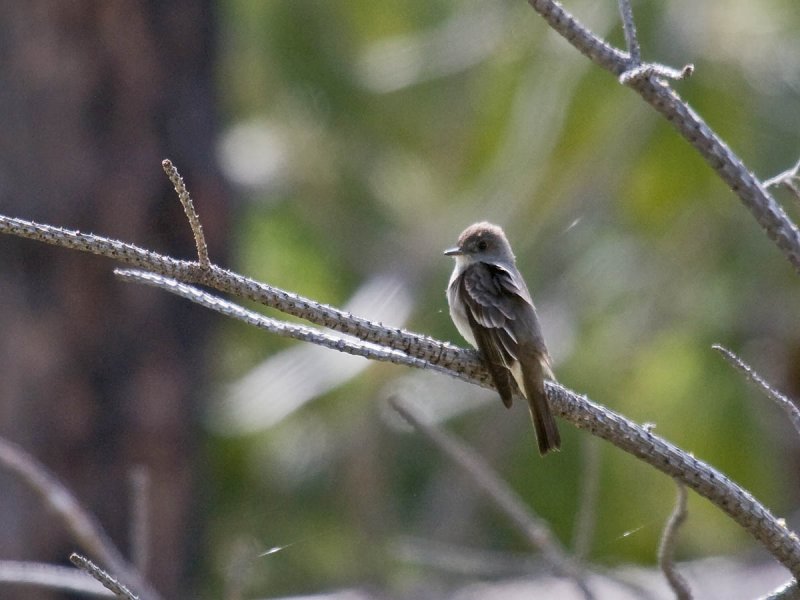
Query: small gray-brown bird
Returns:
{"type": "Point", "coordinates": [492, 308]}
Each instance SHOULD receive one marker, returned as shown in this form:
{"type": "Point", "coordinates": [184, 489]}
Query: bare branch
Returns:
{"type": "Point", "coordinates": [535, 529]}
{"type": "Point", "coordinates": [88, 532]}
{"type": "Point", "coordinates": [108, 582]}
{"type": "Point", "coordinates": [140, 518]}
{"type": "Point", "coordinates": [666, 549]}
{"type": "Point", "coordinates": [655, 91]}
{"type": "Point", "coordinates": [785, 403]}
{"type": "Point", "coordinates": [290, 330]}
{"type": "Point", "coordinates": [191, 213]}
{"type": "Point", "coordinates": [65, 579]}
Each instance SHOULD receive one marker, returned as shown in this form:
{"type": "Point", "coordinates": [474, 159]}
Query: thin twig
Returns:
{"type": "Point", "coordinates": [655, 91]}
{"type": "Point", "coordinates": [140, 518]}
{"type": "Point", "coordinates": [87, 531]}
{"type": "Point", "coordinates": [188, 208]}
{"type": "Point", "coordinates": [666, 549]}
{"type": "Point", "coordinates": [785, 403]}
{"type": "Point", "coordinates": [108, 582]}
{"type": "Point", "coordinates": [535, 529]}
{"type": "Point", "coordinates": [282, 328]}
{"type": "Point", "coordinates": [629, 26]}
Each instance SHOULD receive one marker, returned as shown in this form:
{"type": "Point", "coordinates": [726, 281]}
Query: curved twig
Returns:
{"type": "Point", "coordinates": [666, 548]}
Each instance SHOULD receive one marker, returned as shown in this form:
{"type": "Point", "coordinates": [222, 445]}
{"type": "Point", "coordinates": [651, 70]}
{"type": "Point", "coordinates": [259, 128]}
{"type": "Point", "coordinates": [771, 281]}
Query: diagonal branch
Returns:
{"type": "Point", "coordinates": [785, 403]}
{"type": "Point", "coordinates": [534, 528]}
{"type": "Point", "coordinates": [656, 92]}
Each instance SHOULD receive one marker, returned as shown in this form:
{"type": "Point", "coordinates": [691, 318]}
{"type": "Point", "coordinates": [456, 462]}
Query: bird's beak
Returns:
{"type": "Point", "coordinates": [453, 251]}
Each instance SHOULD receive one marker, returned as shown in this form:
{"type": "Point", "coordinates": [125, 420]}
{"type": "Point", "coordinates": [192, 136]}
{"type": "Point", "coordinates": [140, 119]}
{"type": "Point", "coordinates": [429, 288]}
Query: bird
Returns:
{"type": "Point", "coordinates": [492, 309]}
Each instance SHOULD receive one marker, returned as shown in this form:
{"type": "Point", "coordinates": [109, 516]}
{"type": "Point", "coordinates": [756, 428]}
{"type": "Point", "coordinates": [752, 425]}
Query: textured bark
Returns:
{"type": "Point", "coordinates": [98, 376]}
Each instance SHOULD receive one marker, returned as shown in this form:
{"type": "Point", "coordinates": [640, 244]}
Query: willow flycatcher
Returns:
{"type": "Point", "coordinates": [492, 308]}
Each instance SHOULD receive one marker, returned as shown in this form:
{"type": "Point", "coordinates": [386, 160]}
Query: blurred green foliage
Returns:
{"type": "Point", "coordinates": [374, 133]}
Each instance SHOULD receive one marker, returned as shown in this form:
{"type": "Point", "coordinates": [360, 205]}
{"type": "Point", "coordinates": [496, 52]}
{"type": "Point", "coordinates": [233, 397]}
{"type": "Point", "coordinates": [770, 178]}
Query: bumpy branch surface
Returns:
{"type": "Point", "coordinates": [767, 212]}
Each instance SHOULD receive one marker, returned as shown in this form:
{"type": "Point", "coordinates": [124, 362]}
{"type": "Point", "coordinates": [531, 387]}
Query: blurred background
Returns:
{"type": "Point", "coordinates": [334, 149]}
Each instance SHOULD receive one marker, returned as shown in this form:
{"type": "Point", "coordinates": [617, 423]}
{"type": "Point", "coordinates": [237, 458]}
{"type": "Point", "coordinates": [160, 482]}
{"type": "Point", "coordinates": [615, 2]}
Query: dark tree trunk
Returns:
{"type": "Point", "coordinates": [97, 376]}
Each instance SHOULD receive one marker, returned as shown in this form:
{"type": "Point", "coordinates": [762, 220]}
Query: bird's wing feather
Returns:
{"type": "Point", "coordinates": [490, 293]}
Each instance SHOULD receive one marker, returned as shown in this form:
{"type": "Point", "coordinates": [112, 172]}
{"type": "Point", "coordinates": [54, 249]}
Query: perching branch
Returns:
{"type": "Point", "coordinates": [666, 549]}
{"type": "Point", "coordinates": [653, 88]}
{"type": "Point", "coordinates": [457, 362]}
{"type": "Point", "coordinates": [481, 474]}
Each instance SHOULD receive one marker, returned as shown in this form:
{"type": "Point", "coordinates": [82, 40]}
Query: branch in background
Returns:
{"type": "Point", "coordinates": [481, 474]}
{"type": "Point", "coordinates": [589, 493]}
{"type": "Point", "coordinates": [654, 90]}
{"type": "Point", "coordinates": [108, 582]}
{"type": "Point", "coordinates": [666, 549]}
{"type": "Point", "coordinates": [140, 518]}
{"type": "Point", "coordinates": [785, 403]}
{"type": "Point", "coordinates": [87, 531]}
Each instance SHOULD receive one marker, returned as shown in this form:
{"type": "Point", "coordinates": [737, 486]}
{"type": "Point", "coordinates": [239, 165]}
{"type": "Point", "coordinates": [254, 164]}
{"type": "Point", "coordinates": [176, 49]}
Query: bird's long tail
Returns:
{"type": "Point", "coordinates": [533, 376]}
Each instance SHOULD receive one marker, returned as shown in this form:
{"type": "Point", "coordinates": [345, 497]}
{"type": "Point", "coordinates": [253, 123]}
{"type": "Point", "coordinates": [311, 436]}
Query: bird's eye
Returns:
{"type": "Point", "coordinates": [482, 245]}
